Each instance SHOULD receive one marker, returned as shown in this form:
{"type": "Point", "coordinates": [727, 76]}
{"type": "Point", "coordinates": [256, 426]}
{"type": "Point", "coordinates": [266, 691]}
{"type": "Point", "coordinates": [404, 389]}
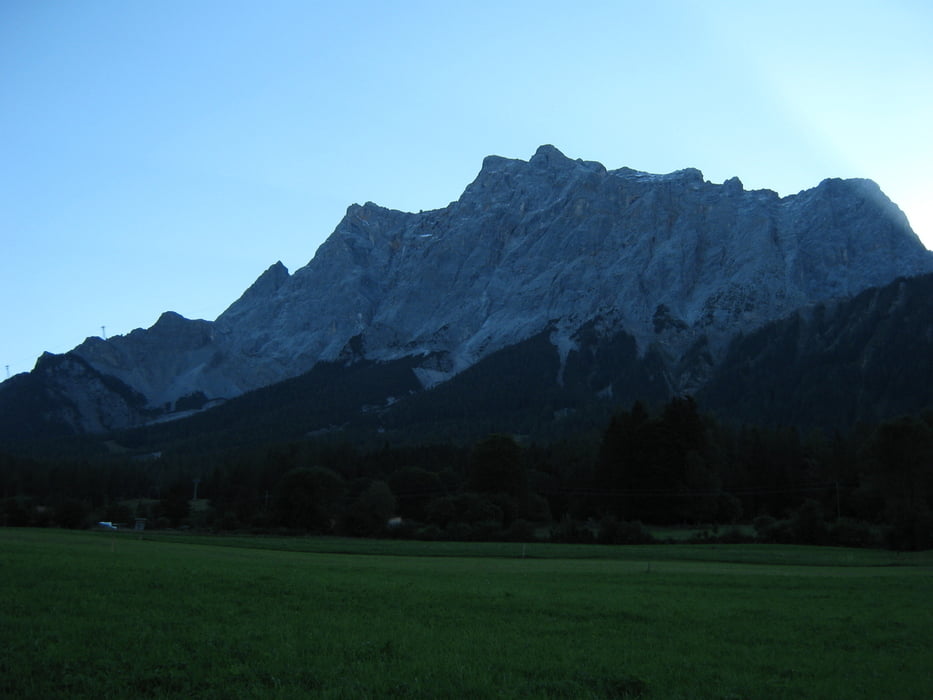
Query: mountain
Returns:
{"type": "Point", "coordinates": [834, 365]}
{"type": "Point", "coordinates": [629, 282]}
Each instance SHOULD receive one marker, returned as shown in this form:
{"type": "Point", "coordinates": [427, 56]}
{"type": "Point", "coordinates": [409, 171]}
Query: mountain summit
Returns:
{"type": "Point", "coordinates": [550, 245]}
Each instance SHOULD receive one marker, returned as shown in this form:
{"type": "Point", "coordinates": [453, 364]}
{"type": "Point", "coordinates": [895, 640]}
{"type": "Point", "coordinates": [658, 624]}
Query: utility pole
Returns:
{"type": "Point", "coordinates": [103, 332]}
{"type": "Point", "coordinates": [7, 371]}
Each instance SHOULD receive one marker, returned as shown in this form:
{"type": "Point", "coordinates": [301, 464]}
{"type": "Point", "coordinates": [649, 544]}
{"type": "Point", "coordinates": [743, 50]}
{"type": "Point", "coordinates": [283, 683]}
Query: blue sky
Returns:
{"type": "Point", "coordinates": [160, 155]}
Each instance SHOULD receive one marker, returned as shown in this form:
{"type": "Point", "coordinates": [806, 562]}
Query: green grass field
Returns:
{"type": "Point", "coordinates": [103, 615]}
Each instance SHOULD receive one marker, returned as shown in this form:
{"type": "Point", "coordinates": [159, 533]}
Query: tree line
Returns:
{"type": "Point", "coordinates": [670, 466]}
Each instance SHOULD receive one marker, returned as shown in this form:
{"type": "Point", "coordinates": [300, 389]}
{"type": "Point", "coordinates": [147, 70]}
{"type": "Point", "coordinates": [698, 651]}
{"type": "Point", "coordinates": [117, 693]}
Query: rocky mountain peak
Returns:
{"type": "Point", "coordinates": [548, 156]}
{"type": "Point", "coordinates": [265, 286]}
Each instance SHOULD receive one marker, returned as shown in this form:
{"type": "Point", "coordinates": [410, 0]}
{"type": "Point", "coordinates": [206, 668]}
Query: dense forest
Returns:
{"type": "Point", "coordinates": [673, 465]}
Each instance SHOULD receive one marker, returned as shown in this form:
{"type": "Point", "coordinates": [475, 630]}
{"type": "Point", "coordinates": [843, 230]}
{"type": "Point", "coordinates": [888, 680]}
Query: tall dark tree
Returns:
{"type": "Point", "coordinates": [623, 472]}
{"type": "Point", "coordinates": [309, 499]}
{"type": "Point", "coordinates": [684, 425]}
{"type": "Point", "coordinates": [496, 466]}
{"type": "Point", "coordinates": [414, 487]}
{"type": "Point", "coordinates": [175, 504]}
{"type": "Point", "coordinates": [898, 466]}
{"type": "Point", "coordinates": [369, 514]}
{"type": "Point", "coordinates": [658, 469]}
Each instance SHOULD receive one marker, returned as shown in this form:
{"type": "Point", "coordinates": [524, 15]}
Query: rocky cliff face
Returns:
{"type": "Point", "coordinates": [65, 395]}
{"type": "Point", "coordinates": [551, 244]}
{"type": "Point", "coordinates": [671, 258]}
{"type": "Point", "coordinates": [174, 358]}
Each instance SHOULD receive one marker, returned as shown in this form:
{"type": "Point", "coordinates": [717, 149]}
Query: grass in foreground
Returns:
{"type": "Point", "coordinates": [99, 615]}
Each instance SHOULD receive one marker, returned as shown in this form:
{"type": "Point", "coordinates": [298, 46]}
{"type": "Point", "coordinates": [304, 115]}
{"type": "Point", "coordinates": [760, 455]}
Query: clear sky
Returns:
{"type": "Point", "coordinates": [160, 155]}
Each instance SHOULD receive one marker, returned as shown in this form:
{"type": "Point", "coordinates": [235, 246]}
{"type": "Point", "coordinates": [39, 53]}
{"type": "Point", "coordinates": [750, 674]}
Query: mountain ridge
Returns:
{"type": "Point", "coordinates": [549, 244]}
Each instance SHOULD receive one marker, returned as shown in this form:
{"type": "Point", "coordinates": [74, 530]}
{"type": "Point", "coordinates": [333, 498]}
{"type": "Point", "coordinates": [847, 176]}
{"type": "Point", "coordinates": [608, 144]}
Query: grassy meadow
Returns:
{"type": "Point", "coordinates": [113, 615]}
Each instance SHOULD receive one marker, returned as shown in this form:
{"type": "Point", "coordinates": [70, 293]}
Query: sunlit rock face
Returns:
{"type": "Point", "coordinates": [550, 244]}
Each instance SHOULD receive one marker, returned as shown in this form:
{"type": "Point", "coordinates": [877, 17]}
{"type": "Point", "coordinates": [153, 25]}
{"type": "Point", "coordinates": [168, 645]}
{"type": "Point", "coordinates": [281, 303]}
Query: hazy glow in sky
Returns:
{"type": "Point", "coordinates": [160, 155]}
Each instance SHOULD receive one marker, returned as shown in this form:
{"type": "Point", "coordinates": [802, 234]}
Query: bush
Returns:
{"type": "Point", "coordinates": [735, 535]}
{"type": "Point", "coordinates": [369, 514]}
{"type": "Point", "coordinates": [486, 531]}
{"type": "Point", "coordinates": [309, 499]}
{"type": "Point", "coordinates": [911, 531]}
{"type": "Point", "coordinates": [14, 513]}
{"type": "Point", "coordinates": [847, 532]}
{"type": "Point", "coordinates": [118, 513]}
{"type": "Point", "coordinates": [463, 508]}
{"type": "Point", "coordinates": [614, 531]}
{"type": "Point", "coordinates": [520, 531]}
{"type": "Point", "coordinates": [807, 524]}
{"type": "Point", "coordinates": [72, 515]}
{"type": "Point", "coordinates": [42, 516]}
{"type": "Point", "coordinates": [458, 532]}
{"type": "Point", "coordinates": [403, 529]}
{"type": "Point", "coordinates": [229, 521]}
{"type": "Point", "coordinates": [570, 531]}
{"type": "Point", "coordinates": [765, 528]}
{"type": "Point", "coordinates": [537, 509]}
{"type": "Point", "coordinates": [729, 508]}
{"type": "Point", "coordinates": [414, 487]}
{"type": "Point", "coordinates": [430, 533]}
